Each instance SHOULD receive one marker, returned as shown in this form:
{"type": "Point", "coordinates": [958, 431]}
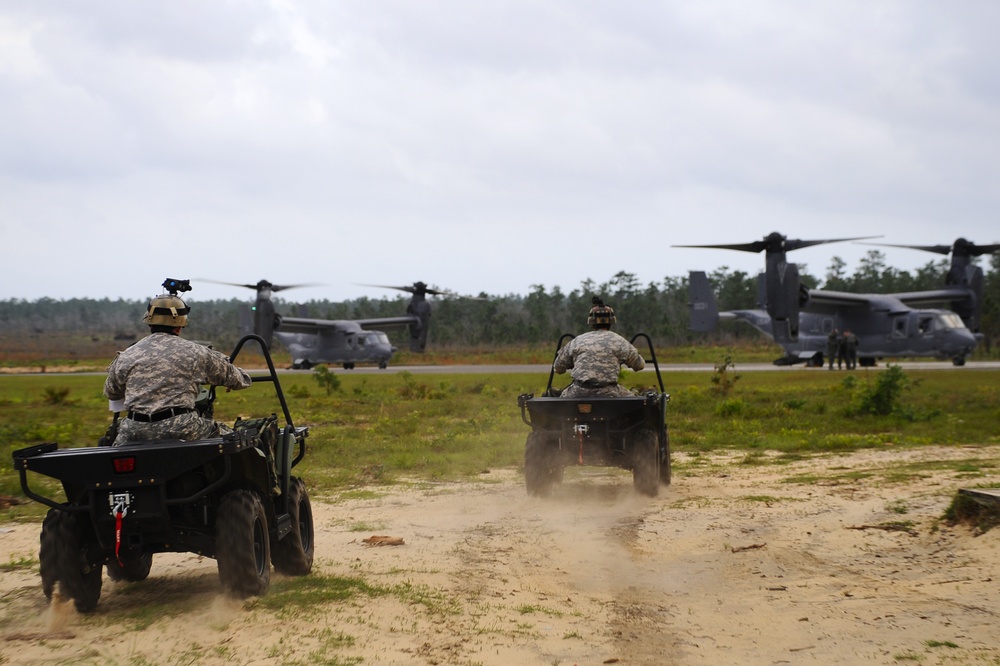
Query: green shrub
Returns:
{"type": "Point", "coordinates": [55, 396]}
{"type": "Point", "coordinates": [883, 397]}
{"type": "Point", "coordinates": [724, 379]}
{"type": "Point", "coordinates": [327, 380]}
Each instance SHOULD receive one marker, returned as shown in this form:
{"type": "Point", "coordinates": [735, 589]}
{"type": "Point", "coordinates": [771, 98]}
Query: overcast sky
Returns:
{"type": "Point", "coordinates": [482, 146]}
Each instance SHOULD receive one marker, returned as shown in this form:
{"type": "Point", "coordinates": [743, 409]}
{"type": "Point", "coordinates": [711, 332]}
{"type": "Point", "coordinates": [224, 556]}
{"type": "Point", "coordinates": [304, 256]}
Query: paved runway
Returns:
{"type": "Point", "coordinates": [466, 369]}
{"type": "Point", "coordinates": [670, 367]}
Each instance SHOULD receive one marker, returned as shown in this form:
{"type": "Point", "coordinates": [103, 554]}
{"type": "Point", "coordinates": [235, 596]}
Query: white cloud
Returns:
{"type": "Point", "coordinates": [482, 147]}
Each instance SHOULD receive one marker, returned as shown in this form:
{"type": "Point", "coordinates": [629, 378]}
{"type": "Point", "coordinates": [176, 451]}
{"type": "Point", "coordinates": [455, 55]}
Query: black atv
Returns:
{"type": "Point", "coordinates": [629, 432]}
{"type": "Point", "coordinates": [232, 498]}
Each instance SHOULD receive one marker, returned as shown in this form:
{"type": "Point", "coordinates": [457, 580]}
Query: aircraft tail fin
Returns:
{"type": "Point", "coordinates": [704, 311]}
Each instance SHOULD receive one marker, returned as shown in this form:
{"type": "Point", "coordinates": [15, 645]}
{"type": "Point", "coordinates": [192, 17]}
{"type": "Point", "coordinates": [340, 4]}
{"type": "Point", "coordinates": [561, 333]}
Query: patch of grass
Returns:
{"type": "Point", "coordinates": [899, 506]}
{"type": "Point", "coordinates": [363, 527]}
{"type": "Point", "coordinates": [767, 499]}
{"type": "Point", "coordinates": [897, 473]}
{"type": "Point", "coordinates": [907, 526]}
{"type": "Point", "coordinates": [527, 609]}
{"type": "Point", "coordinates": [22, 563]}
{"type": "Point", "coordinates": [935, 644]}
{"type": "Point", "coordinates": [305, 595]}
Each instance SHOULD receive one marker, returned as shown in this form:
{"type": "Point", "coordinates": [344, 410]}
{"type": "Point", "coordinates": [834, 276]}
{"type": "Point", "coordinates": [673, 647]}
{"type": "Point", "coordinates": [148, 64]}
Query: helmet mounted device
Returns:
{"type": "Point", "coordinates": [169, 309]}
{"type": "Point", "coordinates": [601, 315]}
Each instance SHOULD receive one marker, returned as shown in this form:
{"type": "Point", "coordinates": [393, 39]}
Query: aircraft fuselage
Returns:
{"type": "Point", "coordinates": [921, 333]}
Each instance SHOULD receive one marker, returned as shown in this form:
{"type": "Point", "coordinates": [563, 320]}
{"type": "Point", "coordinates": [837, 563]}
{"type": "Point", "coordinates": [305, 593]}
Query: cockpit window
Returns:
{"type": "Point", "coordinates": [899, 327]}
{"type": "Point", "coordinates": [949, 320]}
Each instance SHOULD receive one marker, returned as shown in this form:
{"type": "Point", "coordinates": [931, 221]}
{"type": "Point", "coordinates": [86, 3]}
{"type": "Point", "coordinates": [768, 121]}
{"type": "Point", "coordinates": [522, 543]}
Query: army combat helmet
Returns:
{"type": "Point", "coordinates": [168, 309]}
{"type": "Point", "coordinates": [601, 315]}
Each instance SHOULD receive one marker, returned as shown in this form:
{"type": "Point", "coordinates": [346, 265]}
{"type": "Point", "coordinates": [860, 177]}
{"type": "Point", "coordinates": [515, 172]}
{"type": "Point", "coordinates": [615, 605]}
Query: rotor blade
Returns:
{"type": "Point", "coordinates": [742, 247]}
{"type": "Point", "coordinates": [228, 284]}
{"type": "Point", "coordinates": [275, 287]}
{"type": "Point", "coordinates": [775, 242]}
{"type": "Point", "coordinates": [799, 244]}
{"type": "Point", "coordinates": [447, 293]}
{"type": "Point", "coordinates": [263, 284]}
{"type": "Point", "coordinates": [385, 286]}
{"type": "Point", "coordinates": [937, 249]}
{"type": "Point", "coordinates": [415, 288]}
{"type": "Point", "coordinates": [960, 247]}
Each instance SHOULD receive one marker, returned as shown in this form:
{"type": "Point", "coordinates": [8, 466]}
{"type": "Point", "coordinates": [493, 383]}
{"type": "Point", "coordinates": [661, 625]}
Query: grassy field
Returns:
{"type": "Point", "coordinates": [380, 429]}
{"type": "Point", "coordinates": [81, 353]}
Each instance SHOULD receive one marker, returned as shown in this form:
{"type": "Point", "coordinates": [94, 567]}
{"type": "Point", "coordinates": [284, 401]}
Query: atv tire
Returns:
{"type": "Point", "coordinates": [646, 463]}
{"type": "Point", "coordinates": [62, 559]}
{"type": "Point", "coordinates": [539, 474]}
{"type": "Point", "coordinates": [242, 546]}
{"type": "Point", "coordinates": [293, 555]}
{"type": "Point", "coordinates": [133, 568]}
{"type": "Point", "coordinates": [665, 463]}
{"type": "Point", "coordinates": [48, 552]}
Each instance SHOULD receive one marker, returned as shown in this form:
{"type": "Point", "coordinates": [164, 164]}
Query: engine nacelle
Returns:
{"type": "Point", "coordinates": [784, 301]}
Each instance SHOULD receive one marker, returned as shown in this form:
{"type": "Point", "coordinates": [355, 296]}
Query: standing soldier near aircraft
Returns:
{"type": "Point", "coordinates": [832, 343]}
{"type": "Point", "coordinates": [851, 349]}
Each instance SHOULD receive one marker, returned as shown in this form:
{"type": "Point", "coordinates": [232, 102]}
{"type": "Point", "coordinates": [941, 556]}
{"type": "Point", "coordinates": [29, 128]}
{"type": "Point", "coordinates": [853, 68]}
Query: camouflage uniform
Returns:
{"type": "Point", "coordinates": [595, 359]}
{"type": "Point", "coordinates": [163, 371]}
{"type": "Point", "coordinates": [851, 349]}
{"type": "Point", "coordinates": [832, 343]}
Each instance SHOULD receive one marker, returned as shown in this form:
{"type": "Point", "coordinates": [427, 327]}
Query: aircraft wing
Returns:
{"type": "Point", "coordinates": [821, 300]}
{"type": "Point", "coordinates": [308, 325]}
{"type": "Point", "coordinates": [945, 295]}
{"type": "Point", "coordinates": [387, 322]}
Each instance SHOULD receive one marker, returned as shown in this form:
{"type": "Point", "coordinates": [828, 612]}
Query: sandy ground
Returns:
{"type": "Point", "coordinates": [731, 564]}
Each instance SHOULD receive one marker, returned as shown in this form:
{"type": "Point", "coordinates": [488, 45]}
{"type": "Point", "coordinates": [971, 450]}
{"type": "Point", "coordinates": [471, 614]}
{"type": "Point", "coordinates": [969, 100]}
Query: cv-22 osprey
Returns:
{"type": "Point", "coordinates": [887, 325]}
{"type": "Point", "coordinates": [339, 341]}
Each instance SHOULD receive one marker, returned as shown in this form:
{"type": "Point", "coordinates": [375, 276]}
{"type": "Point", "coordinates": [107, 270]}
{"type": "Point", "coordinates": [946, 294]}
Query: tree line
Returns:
{"type": "Point", "coordinates": [659, 309]}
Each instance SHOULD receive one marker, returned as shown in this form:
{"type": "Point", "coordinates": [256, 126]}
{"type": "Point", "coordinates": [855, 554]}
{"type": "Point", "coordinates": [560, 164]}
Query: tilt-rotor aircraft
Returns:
{"type": "Point", "coordinates": [887, 325]}
{"type": "Point", "coordinates": [345, 341]}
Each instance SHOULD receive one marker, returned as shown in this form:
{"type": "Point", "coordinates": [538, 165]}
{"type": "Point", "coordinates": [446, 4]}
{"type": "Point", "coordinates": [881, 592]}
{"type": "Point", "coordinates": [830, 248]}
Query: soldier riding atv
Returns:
{"type": "Point", "coordinates": [229, 495]}
{"type": "Point", "coordinates": [594, 421]}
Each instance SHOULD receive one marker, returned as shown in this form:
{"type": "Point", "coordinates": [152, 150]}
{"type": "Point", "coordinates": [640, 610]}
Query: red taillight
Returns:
{"type": "Point", "coordinates": [124, 465]}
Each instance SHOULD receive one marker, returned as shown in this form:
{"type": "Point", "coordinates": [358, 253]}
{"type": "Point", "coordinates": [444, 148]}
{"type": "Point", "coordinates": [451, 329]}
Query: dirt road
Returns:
{"type": "Point", "coordinates": [832, 560]}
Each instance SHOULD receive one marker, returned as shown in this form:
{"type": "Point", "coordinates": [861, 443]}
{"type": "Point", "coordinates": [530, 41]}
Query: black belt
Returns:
{"type": "Point", "coordinates": [594, 384]}
{"type": "Point", "coordinates": [160, 415]}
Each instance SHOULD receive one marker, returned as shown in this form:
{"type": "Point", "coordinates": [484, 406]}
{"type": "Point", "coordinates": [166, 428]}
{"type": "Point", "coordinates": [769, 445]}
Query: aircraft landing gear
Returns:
{"type": "Point", "coordinates": [958, 360]}
{"type": "Point", "coordinates": [348, 366]}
